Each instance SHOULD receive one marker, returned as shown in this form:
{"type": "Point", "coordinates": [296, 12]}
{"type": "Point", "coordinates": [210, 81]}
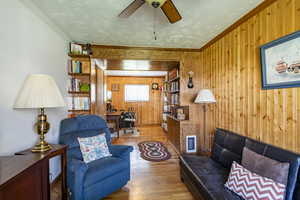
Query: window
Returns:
{"type": "Point", "coordinates": [136, 93]}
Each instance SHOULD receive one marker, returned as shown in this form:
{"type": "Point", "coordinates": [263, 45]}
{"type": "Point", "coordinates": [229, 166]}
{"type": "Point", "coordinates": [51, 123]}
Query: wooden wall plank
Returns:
{"type": "Point", "coordinates": [235, 77]}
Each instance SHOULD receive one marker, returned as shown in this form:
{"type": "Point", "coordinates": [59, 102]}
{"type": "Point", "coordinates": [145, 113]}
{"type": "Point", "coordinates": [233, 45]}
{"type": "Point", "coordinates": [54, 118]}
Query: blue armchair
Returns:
{"type": "Point", "coordinates": [99, 178]}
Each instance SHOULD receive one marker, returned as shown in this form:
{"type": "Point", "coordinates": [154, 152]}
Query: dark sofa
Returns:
{"type": "Point", "coordinates": [205, 176]}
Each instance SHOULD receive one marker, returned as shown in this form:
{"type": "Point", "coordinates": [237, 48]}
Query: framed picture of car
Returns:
{"type": "Point", "coordinates": [280, 60]}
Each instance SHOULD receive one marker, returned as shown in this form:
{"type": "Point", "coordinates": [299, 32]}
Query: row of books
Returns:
{"type": "Point", "coordinates": [174, 86]}
{"type": "Point", "coordinates": [75, 66]}
{"type": "Point", "coordinates": [78, 103]}
{"type": "Point", "coordinates": [167, 108]}
{"type": "Point", "coordinates": [76, 85]}
{"type": "Point", "coordinates": [174, 99]}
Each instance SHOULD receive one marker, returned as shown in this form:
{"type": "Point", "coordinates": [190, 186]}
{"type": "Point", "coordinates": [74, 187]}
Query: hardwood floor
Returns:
{"type": "Point", "coordinates": [151, 180]}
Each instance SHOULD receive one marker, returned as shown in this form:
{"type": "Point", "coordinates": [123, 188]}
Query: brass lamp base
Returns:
{"type": "Point", "coordinates": [41, 147]}
{"type": "Point", "coordinates": [42, 127]}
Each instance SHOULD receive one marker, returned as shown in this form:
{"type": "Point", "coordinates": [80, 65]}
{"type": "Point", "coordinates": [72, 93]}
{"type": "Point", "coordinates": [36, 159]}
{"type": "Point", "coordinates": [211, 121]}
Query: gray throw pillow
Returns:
{"type": "Point", "coordinates": [265, 166]}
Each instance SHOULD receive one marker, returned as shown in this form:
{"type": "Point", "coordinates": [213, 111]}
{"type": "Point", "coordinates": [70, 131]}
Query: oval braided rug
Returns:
{"type": "Point", "coordinates": [154, 151]}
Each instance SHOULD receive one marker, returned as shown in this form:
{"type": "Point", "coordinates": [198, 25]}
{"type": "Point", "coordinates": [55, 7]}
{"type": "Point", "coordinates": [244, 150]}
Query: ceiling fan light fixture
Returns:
{"type": "Point", "coordinates": [156, 3]}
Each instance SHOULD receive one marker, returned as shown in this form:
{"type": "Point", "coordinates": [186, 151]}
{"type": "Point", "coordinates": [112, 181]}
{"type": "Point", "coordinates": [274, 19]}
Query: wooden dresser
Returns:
{"type": "Point", "coordinates": [26, 176]}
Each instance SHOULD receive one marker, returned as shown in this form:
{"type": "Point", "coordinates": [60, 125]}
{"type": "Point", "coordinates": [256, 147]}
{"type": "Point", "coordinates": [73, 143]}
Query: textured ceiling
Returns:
{"type": "Point", "coordinates": [97, 22]}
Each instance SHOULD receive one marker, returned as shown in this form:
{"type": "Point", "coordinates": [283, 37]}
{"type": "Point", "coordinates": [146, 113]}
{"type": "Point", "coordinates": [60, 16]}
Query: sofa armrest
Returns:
{"type": "Point", "coordinates": [77, 169]}
{"type": "Point", "coordinates": [120, 150]}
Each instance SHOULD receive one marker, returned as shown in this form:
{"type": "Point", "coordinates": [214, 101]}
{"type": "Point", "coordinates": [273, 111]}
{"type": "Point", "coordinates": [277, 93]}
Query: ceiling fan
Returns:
{"type": "Point", "coordinates": [167, 7]}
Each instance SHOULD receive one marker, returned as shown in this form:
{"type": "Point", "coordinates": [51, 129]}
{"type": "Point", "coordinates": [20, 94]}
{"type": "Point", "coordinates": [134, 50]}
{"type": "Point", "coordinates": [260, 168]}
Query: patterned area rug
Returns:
{"type": "Point", "coordinates": [154, 151]}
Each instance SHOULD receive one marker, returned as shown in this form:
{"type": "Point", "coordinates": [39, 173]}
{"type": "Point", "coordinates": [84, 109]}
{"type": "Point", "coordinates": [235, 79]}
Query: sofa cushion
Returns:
{"type": "Point", "coordinates": [266, 167]}
{"type": "Point", "coordinates": [252, 186]}
{"type": "Point", "coordinates": [211, 175]}
{"type": "Point", "coordinates": [280, 155]}
{"type": "Point", "coordinates": [102, 168]}
{"type": "Point", "coordinates": [204, 165]}
{"type": "Point", "coordinates": [227, 147]}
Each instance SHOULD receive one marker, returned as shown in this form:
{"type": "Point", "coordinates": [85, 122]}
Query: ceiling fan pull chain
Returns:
{"type": "Point", "coordinates": [154, 23]}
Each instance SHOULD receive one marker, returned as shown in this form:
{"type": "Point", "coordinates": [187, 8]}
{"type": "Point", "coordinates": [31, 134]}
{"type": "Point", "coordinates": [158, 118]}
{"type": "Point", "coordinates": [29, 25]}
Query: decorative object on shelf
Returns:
{"type": "Point", "coordinates": [190, 82]}
{"type": "Point", "coordinates": [89, 49]}
{"type": "Point", "coordinates": [75, 48]}
{"type": "Point", "coordinates": [115, 87]}
{"type": "Point", "coordinates": [180, 114]}
{"type": "Point", "coordinates": [155, 86]}
{"type": "Point", "coordinates": [280, 60]}
{"type": "Point", "coordinates": [191, 144]}
{"type": "Point", "coordinates": [84, 87]}
{"type": "Point", "coordinates": [204, 97]}
{"type": "Point", "coordinates": [40, 91]}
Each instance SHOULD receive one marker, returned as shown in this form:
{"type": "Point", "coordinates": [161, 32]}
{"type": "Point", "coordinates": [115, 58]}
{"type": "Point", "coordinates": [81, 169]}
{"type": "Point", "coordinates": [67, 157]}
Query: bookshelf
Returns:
{"type": "Point", "coordinates": [79, 84]}
{"type": "Point", "coordinates": [171, 99]}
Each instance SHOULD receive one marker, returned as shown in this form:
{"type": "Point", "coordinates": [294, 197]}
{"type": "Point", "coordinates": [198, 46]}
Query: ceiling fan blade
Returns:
{"type": "Point", "coordinates": [171, 11]}
{"type": "Point", "coordinates": [131, 8]}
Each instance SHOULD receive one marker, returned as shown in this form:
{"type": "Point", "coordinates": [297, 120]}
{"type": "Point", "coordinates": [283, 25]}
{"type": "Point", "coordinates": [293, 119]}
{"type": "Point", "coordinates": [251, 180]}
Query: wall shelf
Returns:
{"type": "Point", "coordinates": [78, 56]}
{"type": "Point", "coordinates": [73, 92]}
{"type": "Point", "coordinates": [174, 79]}
{"type": "Point", "coordinates": [79, 74]}
{"type": "Point", "coordinates": [174, 92]}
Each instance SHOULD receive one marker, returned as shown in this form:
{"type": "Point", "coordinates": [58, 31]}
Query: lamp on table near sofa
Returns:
{"type": "Point", "coordinates": [204, 97]}
{"type": "Point", "coordinates": [40, 91]}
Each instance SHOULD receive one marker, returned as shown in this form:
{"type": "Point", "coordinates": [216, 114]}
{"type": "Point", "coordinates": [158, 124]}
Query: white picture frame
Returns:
{"type": "Point", "coordinates": [191, 144]}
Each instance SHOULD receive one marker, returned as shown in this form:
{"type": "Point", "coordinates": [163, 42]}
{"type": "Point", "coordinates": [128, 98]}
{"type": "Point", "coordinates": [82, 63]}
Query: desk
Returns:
{"type": "Point", "coordinates": [115, 118]}
{"type": "Point", "coordinates": [45, 157]}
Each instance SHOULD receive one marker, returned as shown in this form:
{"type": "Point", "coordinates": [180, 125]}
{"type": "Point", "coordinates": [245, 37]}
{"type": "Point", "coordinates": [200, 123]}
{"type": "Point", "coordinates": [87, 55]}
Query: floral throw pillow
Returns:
{"type": "Point", "coordinates": [93, 148]}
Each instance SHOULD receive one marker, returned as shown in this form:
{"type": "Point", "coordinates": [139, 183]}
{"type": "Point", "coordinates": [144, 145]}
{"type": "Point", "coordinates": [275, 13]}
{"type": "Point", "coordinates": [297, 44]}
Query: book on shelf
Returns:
{"type": "Point", "coordinates": [175, 99]}
{"type": "Point", "coordinates": [167, 108]}
{"type": "Point", "coordinates": [74, 66]}
{"type": "Point", "coordinates": [174, 86]}
{"type": "Point", "coordinates": [78, 103]}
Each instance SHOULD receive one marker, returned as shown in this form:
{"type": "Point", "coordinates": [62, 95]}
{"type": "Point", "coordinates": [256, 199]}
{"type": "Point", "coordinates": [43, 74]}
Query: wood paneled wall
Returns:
{"type": "Point", "coordinates": [148, 113]}
{"type": "Point", "coordinates": [231, 67]}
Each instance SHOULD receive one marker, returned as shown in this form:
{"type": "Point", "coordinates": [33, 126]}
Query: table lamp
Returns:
{"type": "Point", "coordinates": [40, 91]}
{"type": "Point", "coordinates": [204, 97]}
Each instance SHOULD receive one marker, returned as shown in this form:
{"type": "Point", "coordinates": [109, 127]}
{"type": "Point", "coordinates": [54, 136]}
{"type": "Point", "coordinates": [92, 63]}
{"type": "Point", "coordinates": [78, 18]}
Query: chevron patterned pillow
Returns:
{"type": "Point", "coordinates": [252, 186]}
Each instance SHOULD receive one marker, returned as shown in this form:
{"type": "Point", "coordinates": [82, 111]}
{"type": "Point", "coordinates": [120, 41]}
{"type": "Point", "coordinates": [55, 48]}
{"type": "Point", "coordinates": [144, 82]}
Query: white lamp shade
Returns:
{"type": "Point", "coordinates": [205, 96]}
{"type": "Point", "coordinates": [39, 91]}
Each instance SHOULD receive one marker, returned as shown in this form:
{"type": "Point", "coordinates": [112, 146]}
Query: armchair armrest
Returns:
{"type": "Point", "coordinates": [78, 169]}
{"type": "Point", "coordinates": [120, 150]}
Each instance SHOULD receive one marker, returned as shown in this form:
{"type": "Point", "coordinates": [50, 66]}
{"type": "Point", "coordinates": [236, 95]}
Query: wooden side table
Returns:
{"type": "Point", "coordinates": [55, 151]}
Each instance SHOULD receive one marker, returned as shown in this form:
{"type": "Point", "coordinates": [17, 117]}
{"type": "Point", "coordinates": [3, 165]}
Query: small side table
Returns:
{"type": "Point", "coordinates": [56, 150]}
{"type": "Point", "coordinates": [115, 118]}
